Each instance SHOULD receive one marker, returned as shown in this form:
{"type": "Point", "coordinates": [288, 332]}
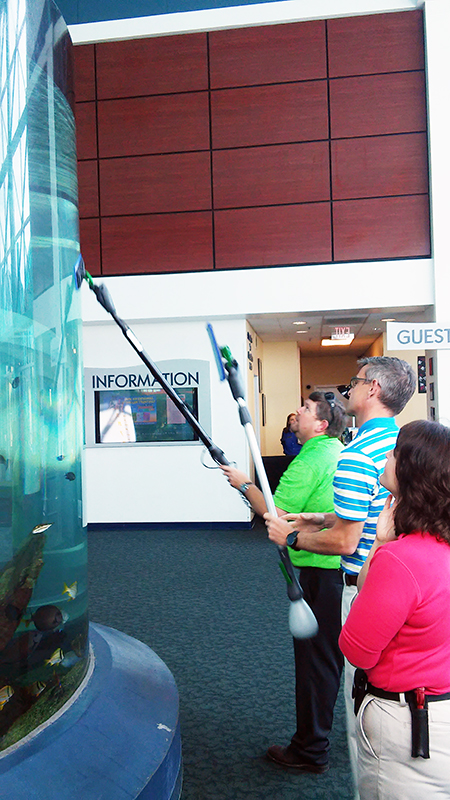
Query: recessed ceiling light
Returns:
{"type": "Point", "coordinates": [301, 331]}
{"type": "Point", "coordinates": [388, 319]}
{"type": "Point", "coordinates": [299, 322]}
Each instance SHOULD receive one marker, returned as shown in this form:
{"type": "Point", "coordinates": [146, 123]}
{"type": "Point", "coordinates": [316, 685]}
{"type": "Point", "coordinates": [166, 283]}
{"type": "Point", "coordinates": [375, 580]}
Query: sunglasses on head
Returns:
{"type": "Point", "coordinates": [331, 400]}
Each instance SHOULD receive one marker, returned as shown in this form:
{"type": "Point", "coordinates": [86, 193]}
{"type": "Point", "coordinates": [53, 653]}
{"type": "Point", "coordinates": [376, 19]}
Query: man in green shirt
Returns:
{"type": "Point", "coordinates": [307, 486]}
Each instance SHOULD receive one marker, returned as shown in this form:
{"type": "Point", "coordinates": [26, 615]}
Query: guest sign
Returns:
{"type": "Point", "coordinates": [417, 336]}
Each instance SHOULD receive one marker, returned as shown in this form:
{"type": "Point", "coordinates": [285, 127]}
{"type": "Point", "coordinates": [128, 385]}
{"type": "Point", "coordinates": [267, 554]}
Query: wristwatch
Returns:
{"type": "Point", "coordinates": [244, 486]}
{"type": "Point", "coordinates": [291, 538]}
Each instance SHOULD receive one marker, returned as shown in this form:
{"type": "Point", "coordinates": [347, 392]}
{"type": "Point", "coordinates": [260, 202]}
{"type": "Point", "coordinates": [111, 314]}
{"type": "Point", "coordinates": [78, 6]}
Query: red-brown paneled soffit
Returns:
{"type": "Point", "coordinates": [291, 144]}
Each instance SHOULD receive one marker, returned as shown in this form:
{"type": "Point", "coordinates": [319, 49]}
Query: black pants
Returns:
{"type": "Point", "coordinates": [318, 666]}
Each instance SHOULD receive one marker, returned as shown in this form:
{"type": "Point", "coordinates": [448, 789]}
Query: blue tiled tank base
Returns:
{"type": "Point", "coordinates": [120, 740]}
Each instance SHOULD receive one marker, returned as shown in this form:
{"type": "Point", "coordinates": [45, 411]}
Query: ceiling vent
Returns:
{"type": "Point", "coordinates": [344, 321]}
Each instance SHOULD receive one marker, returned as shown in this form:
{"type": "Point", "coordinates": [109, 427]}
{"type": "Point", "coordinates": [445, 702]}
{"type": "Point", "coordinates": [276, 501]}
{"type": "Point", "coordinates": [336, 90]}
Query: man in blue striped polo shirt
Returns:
{"type": "Point", "coordinates": [380, 390]}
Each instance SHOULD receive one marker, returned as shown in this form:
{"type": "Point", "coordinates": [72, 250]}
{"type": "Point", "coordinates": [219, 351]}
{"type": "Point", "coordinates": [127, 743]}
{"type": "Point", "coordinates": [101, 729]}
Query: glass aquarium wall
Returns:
{"type": "Point", "coordinates": [43, 548]}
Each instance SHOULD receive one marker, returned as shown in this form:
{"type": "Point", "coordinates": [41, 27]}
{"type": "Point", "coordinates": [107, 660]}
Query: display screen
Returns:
{"type": "Point", "coordinates": [141, 416]}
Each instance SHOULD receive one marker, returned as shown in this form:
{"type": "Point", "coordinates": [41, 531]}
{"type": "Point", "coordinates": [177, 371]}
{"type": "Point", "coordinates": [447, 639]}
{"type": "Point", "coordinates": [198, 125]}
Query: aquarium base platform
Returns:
{"type": "Point", "coordinates": [120, 740]}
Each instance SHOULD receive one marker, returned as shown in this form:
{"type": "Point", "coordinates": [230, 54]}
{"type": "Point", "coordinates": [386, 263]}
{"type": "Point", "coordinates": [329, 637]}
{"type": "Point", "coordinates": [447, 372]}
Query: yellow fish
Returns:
{"type": "Point", "coordinates": [36, 688]}
{"type": "Point", "coordinates": [72, 590]}
{"type": "Point", "coordinates": [6, 692]}
{"type": "Point", "coordinates": [55, 658]}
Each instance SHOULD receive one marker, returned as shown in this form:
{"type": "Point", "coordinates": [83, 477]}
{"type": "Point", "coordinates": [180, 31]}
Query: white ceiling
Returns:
{"type": "Point", "coordinates": [366, 324]}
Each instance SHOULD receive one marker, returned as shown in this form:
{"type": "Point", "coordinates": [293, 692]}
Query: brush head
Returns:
{"type": "Point", "coordinates": [79, 271]}
{"type": "Point", "coordinates": [302, 622]}
{"type": "Point", "coordinates": [216, 351]}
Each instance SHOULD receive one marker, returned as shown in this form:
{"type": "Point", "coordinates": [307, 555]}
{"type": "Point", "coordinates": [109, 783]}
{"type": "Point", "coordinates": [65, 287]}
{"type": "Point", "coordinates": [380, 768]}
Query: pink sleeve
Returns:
{"type": "Point", "coordinates": [388, 597]}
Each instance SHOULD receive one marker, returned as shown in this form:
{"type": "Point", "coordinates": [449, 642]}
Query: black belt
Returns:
{"type": "Point", "coordinates": [349, 579]}
{"type": "Point", "coordinates": [418, 706]}
{"type": "Point", "coordinates": [385, 695]}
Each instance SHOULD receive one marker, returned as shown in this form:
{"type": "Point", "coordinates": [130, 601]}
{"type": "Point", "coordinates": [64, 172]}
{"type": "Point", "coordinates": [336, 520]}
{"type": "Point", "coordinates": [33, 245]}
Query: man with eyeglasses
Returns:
{"type": "Point", "coordinates": [307, 485]}
{"type": "Point", "coordinates": [381, 389]}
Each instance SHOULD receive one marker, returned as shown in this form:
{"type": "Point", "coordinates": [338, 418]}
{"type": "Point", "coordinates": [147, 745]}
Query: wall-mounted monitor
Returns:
{"type": "Point", "coordinates": [128, 406]}
{"type": "Point", "coordinates": [142, 416]}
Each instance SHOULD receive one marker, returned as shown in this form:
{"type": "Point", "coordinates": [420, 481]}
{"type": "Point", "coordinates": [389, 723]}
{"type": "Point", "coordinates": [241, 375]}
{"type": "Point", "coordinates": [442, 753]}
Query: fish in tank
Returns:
{"type": "Point", "coordinates": [44, 646]}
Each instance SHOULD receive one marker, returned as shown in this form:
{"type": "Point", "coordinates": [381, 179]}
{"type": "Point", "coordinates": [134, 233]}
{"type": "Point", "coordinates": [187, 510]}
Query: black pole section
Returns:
{"type": "Point", "coordinates": [104, 298]}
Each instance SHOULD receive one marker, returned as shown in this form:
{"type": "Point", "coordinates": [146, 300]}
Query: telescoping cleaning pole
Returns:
{"type": "Point", "coordinates": [104, 298]}
{"type": "Point", "coordinates": [302, 622]}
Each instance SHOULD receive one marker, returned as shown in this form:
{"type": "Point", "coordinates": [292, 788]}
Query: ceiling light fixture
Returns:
{"type": "Point", "coordinates": [338, 342]}
{"type": "Point", "coordinates": [301, 331]}
{"type": "Point", "coordinates": [388, 319]}
{"type": "Point", "coordinates": [342, 335]}
{"type": "Point", "coordinates": [299, 322]}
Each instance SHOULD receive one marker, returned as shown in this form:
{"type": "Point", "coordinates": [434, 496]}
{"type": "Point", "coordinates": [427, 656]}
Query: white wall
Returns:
{"type": "Point", "coordinates": [158, 483]}
{"type": "Point", "coordinates": [237, 293]}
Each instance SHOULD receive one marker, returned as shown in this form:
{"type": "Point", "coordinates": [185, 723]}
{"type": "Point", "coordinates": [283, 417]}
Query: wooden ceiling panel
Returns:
{"type": "Point", "coordinates": [379, 166]}
{"type": "Point", "coordinates": [157, 243]}
{"type": "Point", "coordinates": [160, 124]}
{"type": "Point", "coordinates": [377, 104]}
{"type": "Point", "coordinates": [388, 227]}
{"type": "Point", "coordinates": [257, 237]}
{"type": "Point", "coordinates": [154, 65]}
{"type": "Point", "coordinates": [155, 184]}
{"type": "Point", "coordinates": [294, 112]}
{"type": "Point", "coordinates": [268, 54]}
{"type": "Point", "coordinates": [368, 44]}
{"type": "Point", "coordinates": [258, 176]}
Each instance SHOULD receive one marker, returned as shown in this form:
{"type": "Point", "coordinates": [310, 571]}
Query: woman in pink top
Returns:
{"type": "Point", "coordinates": [398, 630]}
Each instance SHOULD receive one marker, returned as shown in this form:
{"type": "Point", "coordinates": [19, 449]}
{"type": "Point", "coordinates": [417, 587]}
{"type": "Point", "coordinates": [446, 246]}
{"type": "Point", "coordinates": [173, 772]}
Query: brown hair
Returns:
{"type": "Point", "coordinates": [286, 429]}
{"type": "Point", "coordinates": [336, 416]}
{"type": "Point", "coordinates": [422, 469]}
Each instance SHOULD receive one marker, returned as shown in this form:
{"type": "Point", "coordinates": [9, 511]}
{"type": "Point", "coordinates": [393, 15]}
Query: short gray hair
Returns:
{"type": "Point", "coordinates": [396, 378]}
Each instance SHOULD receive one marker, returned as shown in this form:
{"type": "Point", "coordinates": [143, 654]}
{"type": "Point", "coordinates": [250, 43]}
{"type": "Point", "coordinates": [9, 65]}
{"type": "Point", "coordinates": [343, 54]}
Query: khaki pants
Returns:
{"type": "Point", "coordinates": [348, 595]}
{"type": "Point", "coordinates": [386, 769]}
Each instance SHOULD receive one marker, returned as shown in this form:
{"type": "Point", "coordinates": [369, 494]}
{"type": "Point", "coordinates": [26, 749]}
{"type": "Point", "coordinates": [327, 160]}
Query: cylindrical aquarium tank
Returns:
{"type": "Point", "coordinates": [43, 546]}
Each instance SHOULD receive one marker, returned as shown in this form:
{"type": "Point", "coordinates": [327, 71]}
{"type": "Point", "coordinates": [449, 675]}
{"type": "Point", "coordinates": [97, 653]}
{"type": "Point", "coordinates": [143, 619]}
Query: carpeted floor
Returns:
{"type": "Point", "coordinates": [212, 604]}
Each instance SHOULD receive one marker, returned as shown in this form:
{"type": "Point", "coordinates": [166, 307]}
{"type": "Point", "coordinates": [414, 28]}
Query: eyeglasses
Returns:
{"type": "Point", "coordinates": [353, 381]}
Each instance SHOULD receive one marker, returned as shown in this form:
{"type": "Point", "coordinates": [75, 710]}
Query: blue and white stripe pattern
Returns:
{"type": "Point", "coordinates": [357, 491]}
